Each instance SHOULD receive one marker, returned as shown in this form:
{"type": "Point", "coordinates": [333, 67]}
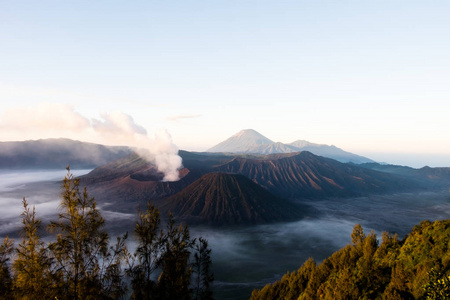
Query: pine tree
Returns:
{"type": "Point", "coordinates": [6, 249]}
{"type": "Point", "coordinates": [398, 286]}
{"type": "Point", "coordinates": [32, 267]}
{"type": "Point", "coordinates": [167, 253]}
{"type": "Point", "coordinates": [143, 265]}
{"type": "Point", "coordinates": [201, 268]}
{"type": "Point", "coordinates": [175, 276]}
{"type": "Point", "coordinates": [84, 262]}
{"type": "Point", "coordinates": [358, 235]}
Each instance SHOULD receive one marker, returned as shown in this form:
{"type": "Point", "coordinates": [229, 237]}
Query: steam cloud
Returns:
{"type": "Point", "coordinates": [50, 120]}
{"type": "Point", "coordinates": [161, 151]}
{"type": "Point", "coordinates": [166, 156]}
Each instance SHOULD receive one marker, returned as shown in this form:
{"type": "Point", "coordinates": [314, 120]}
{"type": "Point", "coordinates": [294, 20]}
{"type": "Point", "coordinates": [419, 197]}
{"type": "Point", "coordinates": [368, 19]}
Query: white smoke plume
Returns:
{"type": "Point", "coordinates": [50, 120]}
{"type": "Point", "coordinates": [166, 156]}
{"type": "Point", "coordinates": [160, 150]}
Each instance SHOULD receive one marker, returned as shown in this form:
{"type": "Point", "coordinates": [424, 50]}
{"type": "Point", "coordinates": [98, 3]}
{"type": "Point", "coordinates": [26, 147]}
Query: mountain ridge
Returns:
{"type": "Point", "coordinates": [251, 141]}
{"type": "Point", "coordinates": [305, 175]}
{"type": "Point", "coordinates": [57, 153]}
{"type": "Point", "coordinates": [128, 182]}
{"type": "Point", "coordinates": [242, 141]}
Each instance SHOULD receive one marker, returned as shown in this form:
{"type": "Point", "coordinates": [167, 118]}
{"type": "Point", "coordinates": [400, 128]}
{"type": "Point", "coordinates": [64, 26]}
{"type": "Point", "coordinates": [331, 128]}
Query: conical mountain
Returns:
{"type": "Point", "coordinates": [250, 141]}
{"type": "Point", "coordinates": [242, 142]}
{"type": "Point", "coordinates": [229, 199]}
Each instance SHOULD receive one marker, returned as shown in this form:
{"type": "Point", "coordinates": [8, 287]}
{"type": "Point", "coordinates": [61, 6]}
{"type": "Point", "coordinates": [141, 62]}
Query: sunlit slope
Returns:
{"type": "Point", "coordinates": [245, 141]}
{"type": "Point", "coordinates": [369, 269]}
{"type": "Point", "coordinates": [252, 142]}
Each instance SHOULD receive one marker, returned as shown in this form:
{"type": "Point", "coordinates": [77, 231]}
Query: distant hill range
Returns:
{"type": "Point", "coordinates": [221, 188]}
{"type": "Point", "coordinates": [426, 176]}
{"type": "Point", "coordinates": [251, 141]}
{"type": "Point", "coordinates": [288, 175]}
{"type": "Point", "coordinates": [57, 154]}
{"type": "Point", "coordinates": [305, 175]}
{"type": "Point", "coordinates": [212, 189]}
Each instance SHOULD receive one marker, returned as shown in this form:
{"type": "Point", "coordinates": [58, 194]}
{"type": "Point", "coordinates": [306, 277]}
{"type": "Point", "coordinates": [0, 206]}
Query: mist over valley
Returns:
{"type": "Point", "coordinates": [330, 196]}
{"type": "Point", "coordinates": [290, 135]}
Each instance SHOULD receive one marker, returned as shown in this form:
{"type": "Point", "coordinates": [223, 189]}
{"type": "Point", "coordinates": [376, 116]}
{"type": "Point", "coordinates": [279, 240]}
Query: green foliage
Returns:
{"type": "Point", "coordinates": [81, 263]}
{"type": "Point", "coordinates": [161, 267]}
{"type": "Point", "coordinates": [438, 287]}
{"type": "Point", "coordinates": [366, 270]}
{"type": "Point", "coordinates": [32, 275]}
{"type": "Point", "coordinates": [358, 235]}
{"type": "Point", "coordinates": [201, 268]}
{"type": "Point", "coordinates": [6, 282]}
{"type": "Point", "coordinates": [147, 257]}
{"type": "Point", "coordinates": [176, 273]}
{"type": "Point", "coordinates": [87, 268]}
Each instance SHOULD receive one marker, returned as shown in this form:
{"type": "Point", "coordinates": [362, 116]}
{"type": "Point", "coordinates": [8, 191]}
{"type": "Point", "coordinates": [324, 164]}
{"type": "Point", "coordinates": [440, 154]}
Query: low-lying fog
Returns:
{"type": "Point", "coordinates": [250, 257]}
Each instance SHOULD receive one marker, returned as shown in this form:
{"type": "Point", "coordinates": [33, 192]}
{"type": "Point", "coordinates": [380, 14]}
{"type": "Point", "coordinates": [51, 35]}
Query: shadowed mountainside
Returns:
{"type": "Point", "coordinates": [131, 181]}
{"type": "Point", "coordinates": [57, 154]}
{"type": "Point", "coordinates": [432, 177]}
{"type": "Point", "coordinates": [229, 199]}
{"type": "Point", "coordinates": [304, 174]}
{"type": "Point", "coordinates": [301, 175]}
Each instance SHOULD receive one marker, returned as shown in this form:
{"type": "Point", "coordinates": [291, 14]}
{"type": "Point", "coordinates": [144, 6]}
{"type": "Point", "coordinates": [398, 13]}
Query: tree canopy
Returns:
{"type": "Point", "coordinates": [416, 267]}
{"type": "Point", "coordinates": [82, 263]}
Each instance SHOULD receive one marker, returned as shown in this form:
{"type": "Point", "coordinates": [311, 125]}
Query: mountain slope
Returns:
{"type": "Point", "coordinates": [130, 181]}
{"type": "Point", "coordinates": [299, 144]}
{"type": "Point", "coordinates": [368, 269]}
{"type": "Point", "coordinates": [242, 142]}
{"type": "Point", "coordinates": [57, 154]}
{"type": "Point", "coordinates": [300, 175]}
{"type": "Point", "coordinates": [250, 141]}
{"type": "Point", "coordinates": [275, 148]}
{"type": "Point", "coordinates": [227, 199]}
{"type": "Point", "coordinates": [432, 177]}
{"type": "Point", "coordinates": [332, 152]}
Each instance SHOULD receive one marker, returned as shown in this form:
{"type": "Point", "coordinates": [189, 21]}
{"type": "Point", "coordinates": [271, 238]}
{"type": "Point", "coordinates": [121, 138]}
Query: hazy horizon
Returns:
{"type": "Point", "coordinates": [245, 257]}
{"type": "Point", "coordinates": [368, 77]}
{"type": "Point", "coordinates": [414, 160]}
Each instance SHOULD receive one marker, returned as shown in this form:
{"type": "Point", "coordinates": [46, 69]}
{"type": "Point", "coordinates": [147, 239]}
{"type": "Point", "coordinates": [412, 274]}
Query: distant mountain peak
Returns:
{"type": "Point", "coordinates": [253, 135]}
{"type": "Point", "coordinates": [241, 142]}
{"type": "Point", "coordinates": [252, 142]}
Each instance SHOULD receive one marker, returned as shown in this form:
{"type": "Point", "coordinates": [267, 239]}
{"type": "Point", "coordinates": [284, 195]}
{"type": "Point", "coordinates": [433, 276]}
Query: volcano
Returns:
{"type": "Point", "coordinates": [229, 199]}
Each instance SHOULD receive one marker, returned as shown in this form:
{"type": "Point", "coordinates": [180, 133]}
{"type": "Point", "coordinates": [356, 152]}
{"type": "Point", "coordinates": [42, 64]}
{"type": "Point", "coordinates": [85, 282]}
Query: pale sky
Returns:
{"type": "Point", "coordinates": [371, 77]}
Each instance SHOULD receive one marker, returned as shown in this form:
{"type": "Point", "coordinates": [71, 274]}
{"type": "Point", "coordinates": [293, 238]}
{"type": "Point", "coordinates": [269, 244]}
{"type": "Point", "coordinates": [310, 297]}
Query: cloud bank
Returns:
{"type": "Point", "coordinates": [51, 120]}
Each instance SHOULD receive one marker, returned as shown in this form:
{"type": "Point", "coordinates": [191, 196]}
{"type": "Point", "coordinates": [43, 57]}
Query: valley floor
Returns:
{"type": "Point", "coordinates": [249, 257]}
